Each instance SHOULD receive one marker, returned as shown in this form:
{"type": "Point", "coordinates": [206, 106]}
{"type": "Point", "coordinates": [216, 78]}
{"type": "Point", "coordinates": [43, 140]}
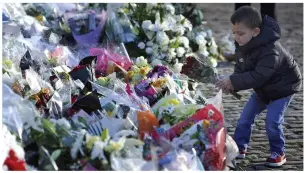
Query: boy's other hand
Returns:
{"type": "Point", "coordinates": [225, 84]}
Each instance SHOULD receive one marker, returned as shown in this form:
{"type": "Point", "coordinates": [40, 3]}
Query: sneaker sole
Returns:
{"type": "Point", "coordinates": [276, 164]}
{"type": "Point", "coordinates": [240, 156]}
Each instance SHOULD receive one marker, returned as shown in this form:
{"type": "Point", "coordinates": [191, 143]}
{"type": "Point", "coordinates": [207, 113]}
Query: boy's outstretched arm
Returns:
{"type": "Point", "coordinates": [264, 70]}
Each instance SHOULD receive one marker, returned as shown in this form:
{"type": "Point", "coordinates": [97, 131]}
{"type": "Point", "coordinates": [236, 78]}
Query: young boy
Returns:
{"type": "Point", "coordinates": [264, 65]}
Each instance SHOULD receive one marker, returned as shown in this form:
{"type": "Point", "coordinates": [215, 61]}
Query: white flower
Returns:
{"type": "Point", "coordinates": [150, 43]}
{"type": "Point", "coordinates": [149, 50]}
{"type": "Point", "coordinates": [200, 40]}
{"type": "Point", "coordinates": [187, 24]}
{"type": "Point", "coordinates": [213, 61]}
{"type": "Point", "coordinates": [179, 18]}
{"type": "Point", "coordinates": [141, 45]}
{"type": "Point", "coordinates": [203, 34]}
{"type": "Point", "coordinates": [98, 150]}
{"type": "Point", "coordinates": [180, 51]}
{"type": "Point", "coordinates": [152, 27]}
{"type": "Point", "coordinates": [77, 145]}
{"type": "Point", "coordinates": [164, 48]}
{"type": "Point", "coordinates": [177, 67]}
{"type": "Point", "coordinates": [172, 53]}
{"type": "Point", "coordinates": [146, 24]}
{"type": "Point", "coordinates": [179, 29]}
{"type": "Point", "coordinates": [203, 50]}
{"type": "Point", "coordinates": [149, 34]}
{"type": "Point", "coordinates": [156, 62]}
{"type": "Point", "coordinates": [209, 33]}
{"type": "Point", "coordinates": [185, 41]}
{"type": "Point", "coordinates": [141, 61]}
{"type": "Point", "coordinates": [170, 8]}
{"type": "Point", "coordinates": [10, 143]}
{"type": "Point", "coordinates": [63, 122]}
{"type": "Point", "coordinates": [213, 49]}
{"type": "Point", "coordinates": [162, 38]}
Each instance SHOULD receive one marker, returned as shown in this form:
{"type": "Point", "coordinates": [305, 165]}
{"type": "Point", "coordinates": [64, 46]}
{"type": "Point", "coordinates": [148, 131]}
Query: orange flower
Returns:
{"type": "Point", "coordinates": [159, 83]}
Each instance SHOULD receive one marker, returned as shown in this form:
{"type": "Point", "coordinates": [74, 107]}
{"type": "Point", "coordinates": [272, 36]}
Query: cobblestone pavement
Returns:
{"type": "Point", "coordinates": [290, 18]}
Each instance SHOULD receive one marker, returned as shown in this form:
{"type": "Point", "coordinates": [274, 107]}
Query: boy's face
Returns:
{"type": "Point", "coordinates": [243, 34]}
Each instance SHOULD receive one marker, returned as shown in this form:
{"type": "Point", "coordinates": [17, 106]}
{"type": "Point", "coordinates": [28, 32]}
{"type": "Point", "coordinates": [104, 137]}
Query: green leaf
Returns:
{"type": "Point", "coordinates": [135, 30]}
{"type": "Point", "coordinates": [82, 120]}
{"type": "Point", "coordinates": [194, 136]}
{"type": "Point", "coordinates": [56, 154]}
{"type": "Point", "coordinates": [48, 126]}
{"type": "Point", "coordinates": [61, 131]}
{"type": "Point", "coordinates": [105, 134]}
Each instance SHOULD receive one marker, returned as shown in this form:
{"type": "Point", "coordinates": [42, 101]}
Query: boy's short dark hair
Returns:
{"type": "Point", "coordinates": [247, 15]}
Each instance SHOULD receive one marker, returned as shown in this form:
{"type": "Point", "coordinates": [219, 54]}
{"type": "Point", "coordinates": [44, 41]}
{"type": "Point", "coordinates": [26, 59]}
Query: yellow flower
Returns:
{"type": "Point", "coordinates": [206, 123]}
{"type": "Point", "coordinates": [109, 113]}
{"type": "Point", "coordinates": [103, 81]}
{"type": "Point", "coordinates": [40, 18]}
{"type": "Point", "coordinates": [174, 102]}
{"type": "Point", "coordinates": [144, 70]}
{"type": "Point", "coordinates": [91, 141]}
{"type": "Point", "coordinates": [131, 74]}
{"type": "Point", "coordinates": [114, 146]}
{"type": "Point", "coordinates": [159, 83]}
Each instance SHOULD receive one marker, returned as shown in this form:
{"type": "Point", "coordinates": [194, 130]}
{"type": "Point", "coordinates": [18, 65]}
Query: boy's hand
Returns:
{"type": "Point", "coordinates": [225, 84]}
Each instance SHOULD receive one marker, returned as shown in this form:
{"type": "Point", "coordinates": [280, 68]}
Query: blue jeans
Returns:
{"type": "Point", "coordinates": [274, 120]}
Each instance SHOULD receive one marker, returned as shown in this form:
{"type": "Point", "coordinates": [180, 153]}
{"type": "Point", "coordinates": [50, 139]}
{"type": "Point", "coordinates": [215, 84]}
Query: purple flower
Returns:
{"type": "Point", "coordinates": [158, 71]}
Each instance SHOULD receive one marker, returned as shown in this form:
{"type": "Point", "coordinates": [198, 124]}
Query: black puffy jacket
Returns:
{"type": "Point", "coordinates": [264, 65]}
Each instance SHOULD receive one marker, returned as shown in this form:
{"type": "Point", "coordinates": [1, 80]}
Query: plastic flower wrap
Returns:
{"type": "Point", "coordinates": [87, 27]}
{"type": "Point", "coordinates": [116, 54]}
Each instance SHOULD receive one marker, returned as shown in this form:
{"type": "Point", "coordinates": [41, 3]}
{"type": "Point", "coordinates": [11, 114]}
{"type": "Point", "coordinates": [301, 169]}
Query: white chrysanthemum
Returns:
{"type": "Point", "coordinates": [63, 122]}
{"type": "Point", "coordinates": [179, 18]}
{"type": "Point", "coordinates": [170, 8]}
{"type": "Point", "coordinates": [149, 50]}
{"type": "Point", "coordinates": [187, 24]}
{"type": "Point", "coordinates": [200, 40]}
{"type": "Point", "coordinates": [213, 49]}
{"type": "Point", "coordinates": [162, 38]}
{"type": "Point", "coordinates": [141, 45]}
{"type": "Point", "coordinates": [172, 53]}
{"type": "Point", "coordinates": [156, 62]}
{"type": "Point", "coordinates": [185, 41]}
{"type": "Point", "coordinates": [204, 34]}
{"type": "Point", "coordinates": [146, 24]}
{"type": "Point", "coordinates": [141, 61]}
{"type": "Point", "coordinates": [180, 51]}
{"type": "Point", "coordinates": [77, 145]}
{"type": "Point", "coordinates": [171, 21]}
{"type": "Point", "coordinates": [177, 67]}
{"type": "Point", "coordinates": [179, 29]}
{"type": "Point", "coordinates": [209, 33]}
{"type": "Point", "coordinates": [164, 48]}
{"type": "Point", "coordinates": [98, 150]}
{"type": "Point", "coordinates": [203, 50]}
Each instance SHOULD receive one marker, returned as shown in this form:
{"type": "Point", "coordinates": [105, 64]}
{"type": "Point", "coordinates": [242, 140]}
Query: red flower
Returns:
{"type": "Point", "coordinates": [74, 98]}
{"type": "Point", "coordinates": [71, 112]}
{"type": "Point", "coordinates": [13, 163]}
